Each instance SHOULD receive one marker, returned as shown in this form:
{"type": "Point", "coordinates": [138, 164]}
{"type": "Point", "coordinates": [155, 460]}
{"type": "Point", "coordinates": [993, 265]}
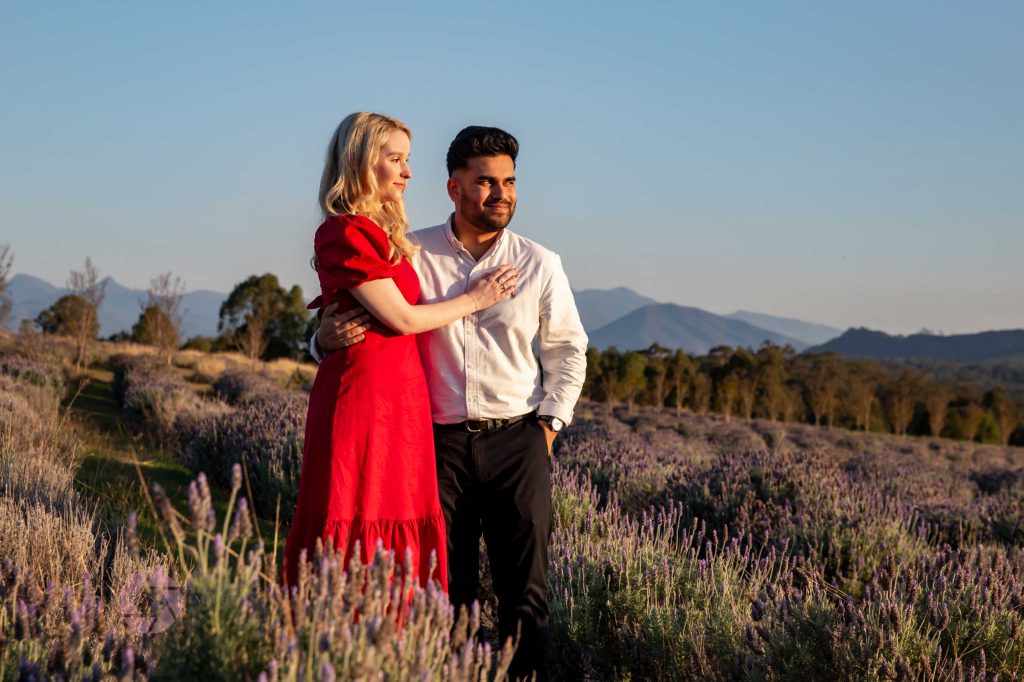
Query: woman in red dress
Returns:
{"type": "Point", "coordinates": [368, 472]}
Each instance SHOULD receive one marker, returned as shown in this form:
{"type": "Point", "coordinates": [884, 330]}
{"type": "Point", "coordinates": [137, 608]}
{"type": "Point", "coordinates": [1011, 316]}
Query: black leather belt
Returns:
{"type": "Point", "coordinates": [477, 425]}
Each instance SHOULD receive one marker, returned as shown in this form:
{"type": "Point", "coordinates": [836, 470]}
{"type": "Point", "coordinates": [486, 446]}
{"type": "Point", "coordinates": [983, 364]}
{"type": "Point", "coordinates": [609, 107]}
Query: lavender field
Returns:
{"type": "Point", "coordinates": [685, 547]}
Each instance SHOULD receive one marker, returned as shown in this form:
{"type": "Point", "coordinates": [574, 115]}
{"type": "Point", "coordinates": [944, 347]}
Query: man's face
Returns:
{"type": "Point", "coordinates": [484, 192]}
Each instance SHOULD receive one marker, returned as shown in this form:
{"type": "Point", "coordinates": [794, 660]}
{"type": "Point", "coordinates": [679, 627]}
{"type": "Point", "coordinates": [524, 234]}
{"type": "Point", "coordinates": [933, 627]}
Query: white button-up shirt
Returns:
{"type": "Point", "coordinates": [483, 366]}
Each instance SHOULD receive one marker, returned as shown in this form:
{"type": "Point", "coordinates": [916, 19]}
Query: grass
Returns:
{"type": "Point", "coordinates": [114, 463]}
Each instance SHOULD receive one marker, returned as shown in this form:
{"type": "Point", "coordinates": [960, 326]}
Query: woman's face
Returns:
{"type": "Point", "coordinates": [392, 167]}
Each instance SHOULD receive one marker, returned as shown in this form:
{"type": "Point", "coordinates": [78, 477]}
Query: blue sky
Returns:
{"type": "Point", "coordinates": [850, 164]}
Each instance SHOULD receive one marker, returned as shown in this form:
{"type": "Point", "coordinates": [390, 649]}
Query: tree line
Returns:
{"type": "Point", "coordinates": [776, 383]}
{"type": "Point", "coordinates": [264, 320]}
{"type": "Point", "coordinates": [259, 318]}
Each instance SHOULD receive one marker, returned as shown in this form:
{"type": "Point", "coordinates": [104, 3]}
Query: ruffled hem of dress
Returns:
{"type": "Point", "coordinates": [399, 536]}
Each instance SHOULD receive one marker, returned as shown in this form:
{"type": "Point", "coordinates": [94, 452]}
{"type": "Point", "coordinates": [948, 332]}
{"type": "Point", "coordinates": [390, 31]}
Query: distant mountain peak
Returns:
{"type": "Point", "coordinates": [861, 342]}
{"type": "Point", "coordinates": [810, 333]}
{"type": "Point", "coordinates": [676, 326]}
{"type": "Point", "coordinates": [598, 307]}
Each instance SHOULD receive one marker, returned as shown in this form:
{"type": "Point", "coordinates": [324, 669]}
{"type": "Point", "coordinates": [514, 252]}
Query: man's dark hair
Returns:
{"type": "Point", "coordinates": [475, 141]}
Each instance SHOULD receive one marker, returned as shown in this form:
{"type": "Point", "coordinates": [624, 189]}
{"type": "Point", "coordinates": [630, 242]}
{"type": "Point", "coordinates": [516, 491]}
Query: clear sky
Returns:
{"type": "Point", "coordinates": [852, 163]}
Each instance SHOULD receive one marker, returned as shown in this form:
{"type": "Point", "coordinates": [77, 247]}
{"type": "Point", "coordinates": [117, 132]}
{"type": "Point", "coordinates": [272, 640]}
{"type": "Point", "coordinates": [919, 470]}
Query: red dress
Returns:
{"type": "Point", "coordinates": [368, 467]}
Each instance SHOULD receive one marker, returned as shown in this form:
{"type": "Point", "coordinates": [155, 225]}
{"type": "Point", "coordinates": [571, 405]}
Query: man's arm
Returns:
{"type": "Point", "coordinates": [562, 345]}
{"type": "Point", "coordinates": [338, 331]}
{"type": "Point", "coordinates": [389, 307]}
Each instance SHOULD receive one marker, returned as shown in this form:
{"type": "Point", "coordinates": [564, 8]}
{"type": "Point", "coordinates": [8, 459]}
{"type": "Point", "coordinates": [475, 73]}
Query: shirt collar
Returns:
{"type": "Point", "coordinates": [449, 233]}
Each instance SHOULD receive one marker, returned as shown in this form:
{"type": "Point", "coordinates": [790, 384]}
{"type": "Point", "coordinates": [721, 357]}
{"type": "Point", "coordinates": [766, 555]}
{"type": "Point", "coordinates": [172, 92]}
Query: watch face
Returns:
{"type": "Point", "coordinates": [554, 423]}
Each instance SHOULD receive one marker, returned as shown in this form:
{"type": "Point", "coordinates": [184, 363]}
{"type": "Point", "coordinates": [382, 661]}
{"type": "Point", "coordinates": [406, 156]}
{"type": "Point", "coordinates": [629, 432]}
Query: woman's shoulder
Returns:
{"type": "Point", "coordinates": [350, 227]}
{"type": "Point", "coordinates": [349, 221]}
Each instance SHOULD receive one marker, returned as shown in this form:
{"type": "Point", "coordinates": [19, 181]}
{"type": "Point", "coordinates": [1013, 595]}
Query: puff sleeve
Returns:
{"type": "Point", "coordinates": [350, 250]}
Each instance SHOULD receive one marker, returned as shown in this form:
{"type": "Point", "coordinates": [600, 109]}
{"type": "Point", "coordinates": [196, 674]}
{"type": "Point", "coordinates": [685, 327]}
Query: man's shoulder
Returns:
{"type": "Point", "coordinates": [428, 234]}
{"type": "Point", "coordinates": [432, 241]}
{"type": "Point", "coordinates": [525, 245]}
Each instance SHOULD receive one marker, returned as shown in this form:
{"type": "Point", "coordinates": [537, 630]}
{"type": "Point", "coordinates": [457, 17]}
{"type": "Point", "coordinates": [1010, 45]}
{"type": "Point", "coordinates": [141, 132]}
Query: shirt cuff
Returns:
{"type": "Point", "coordinates": [315, 351]}
{"type": "Point", "coordinates": [553, 409]}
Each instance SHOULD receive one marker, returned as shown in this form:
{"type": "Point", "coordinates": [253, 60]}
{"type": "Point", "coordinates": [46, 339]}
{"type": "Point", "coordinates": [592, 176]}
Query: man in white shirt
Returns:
{"type": "Point", "coordinates": [497, 407]}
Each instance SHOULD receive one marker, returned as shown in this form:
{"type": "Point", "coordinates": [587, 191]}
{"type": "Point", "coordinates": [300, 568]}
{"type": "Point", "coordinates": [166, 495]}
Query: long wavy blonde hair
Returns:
{"type": "Point", "coordinates": [348, 184]}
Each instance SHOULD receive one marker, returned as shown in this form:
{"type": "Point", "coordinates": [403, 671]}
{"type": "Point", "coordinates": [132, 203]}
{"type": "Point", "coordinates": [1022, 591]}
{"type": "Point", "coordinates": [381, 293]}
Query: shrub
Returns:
{"type": "Point", "coordinates": [42, 374]}
{"type": "Point", "coordinates": [240, 386]}
{"type": "Point", "coordinates": [37, 452]}
{"type": "Point", "coordinates": [67, 588]}
{"type": "Point", "coordinates": [341, 623]}
{"type": "Point", "coordinates": [264, 434]}
{"type": "Point", "coordinates": [156, 402]}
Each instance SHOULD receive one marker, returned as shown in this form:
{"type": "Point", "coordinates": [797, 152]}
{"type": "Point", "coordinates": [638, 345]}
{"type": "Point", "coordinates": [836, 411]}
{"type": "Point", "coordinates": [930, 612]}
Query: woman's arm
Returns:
{"type": "Point", "coordinates": [384, 301]}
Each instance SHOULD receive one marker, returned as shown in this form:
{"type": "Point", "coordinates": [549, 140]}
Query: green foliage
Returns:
{"type": "Point", "coordinates": [65, 316]}
{"type": "Point", "coordinates": [594, 369]}
{"type": "Point", "coordinates": [632, 378]}
{"type": "Point", "coordinates": [209, 344]}
{"type": "Point", "coordinates": [264, 319]}
{"type": "Point", "coordinates": [152, 326]}
{"type": "Point", "coordinates": [777, 384]}
{"type": "Point", "coordinates": [203, 344]}
{"type": "Point", "coordinates": [988, 429]}
{"type": "Point", "coordinates": [1004, 412]}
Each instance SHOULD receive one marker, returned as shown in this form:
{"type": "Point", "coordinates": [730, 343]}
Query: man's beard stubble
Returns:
{"type": "Point", "coordinates": [486, 222]}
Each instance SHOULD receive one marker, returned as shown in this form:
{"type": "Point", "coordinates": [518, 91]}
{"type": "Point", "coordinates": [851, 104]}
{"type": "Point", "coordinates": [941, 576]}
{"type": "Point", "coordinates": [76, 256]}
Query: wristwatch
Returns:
{"type": "Point", "coordinates": [554, 423]}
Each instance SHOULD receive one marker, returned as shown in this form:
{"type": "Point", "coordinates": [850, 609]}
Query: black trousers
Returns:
{"type": "Point", "coordinates": [499, 483]}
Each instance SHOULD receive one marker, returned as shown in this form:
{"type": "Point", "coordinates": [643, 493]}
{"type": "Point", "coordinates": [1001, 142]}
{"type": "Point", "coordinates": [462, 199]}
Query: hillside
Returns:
{"type": "Point", "coordinates": [121, 306]}
{"type": "Point", "coordinates": [867, 343]}
{"type": "Point", "coordinates": [599, 307]}
{"type": "Point", "coordinates": [692, 329]}
{"type": "Point", "coordinates": [808, 332]}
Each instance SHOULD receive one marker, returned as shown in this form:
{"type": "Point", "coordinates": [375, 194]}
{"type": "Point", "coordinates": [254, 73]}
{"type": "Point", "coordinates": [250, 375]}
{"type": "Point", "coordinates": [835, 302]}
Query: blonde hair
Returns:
{"type": "Point", "coordinates": [348, 184]}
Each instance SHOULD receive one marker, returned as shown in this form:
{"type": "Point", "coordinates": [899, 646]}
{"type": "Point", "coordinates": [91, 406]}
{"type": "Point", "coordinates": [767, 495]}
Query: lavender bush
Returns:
{"type": "Point", "coordinates": [156, 402]}
{"type": "Point", "coordinates": [240, 623]}
{"type": "Point", "coordinates": [684, 547]}
{"type": "Point", "coordinates": [823, 566]}
{"type": "Point", "coordinates": [239, 386]}
{"type": "Point", "coordinates": [266, 435]}
{"type": "Point", "coordinates": [263, 431]}
{"type": "Point", "coordinates": [45, 375]}
{"type": "Point", "coordinates": [66, 587]}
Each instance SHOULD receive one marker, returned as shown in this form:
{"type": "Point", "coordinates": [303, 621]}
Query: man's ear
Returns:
{"type": "Point", "coordinates": [454, 191]}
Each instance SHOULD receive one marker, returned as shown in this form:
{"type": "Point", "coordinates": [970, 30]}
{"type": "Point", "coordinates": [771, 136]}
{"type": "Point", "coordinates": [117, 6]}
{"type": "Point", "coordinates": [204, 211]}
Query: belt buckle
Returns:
{"type": "Point", "coordinates": [470, 428]}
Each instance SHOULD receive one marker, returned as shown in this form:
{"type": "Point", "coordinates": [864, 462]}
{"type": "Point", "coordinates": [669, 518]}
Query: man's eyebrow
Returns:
{"type": "Point", "coordinates": [491, 178]}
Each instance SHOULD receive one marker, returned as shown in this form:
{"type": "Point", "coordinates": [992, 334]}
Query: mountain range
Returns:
{"type": "Point", "coordinates": [620, 317]}
{"type": "Point", "coordinates": [675, 326]}
{"type": "Point", "coordinates": [120, 308]}
{"type": "Point", "coordinates": [630, 321]}
{"type": "Point", "coordinates": [807, 332]}
{"type": "Point", "coordinates": [617, 317]}
{"type": "Point", "coordinates": [980, 347]}
{"type": "Point", "coordinates": [598, 307]}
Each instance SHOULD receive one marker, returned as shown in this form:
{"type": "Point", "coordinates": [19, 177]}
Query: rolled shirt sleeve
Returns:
{"type": "Point", "coordinates": [561, 343]}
